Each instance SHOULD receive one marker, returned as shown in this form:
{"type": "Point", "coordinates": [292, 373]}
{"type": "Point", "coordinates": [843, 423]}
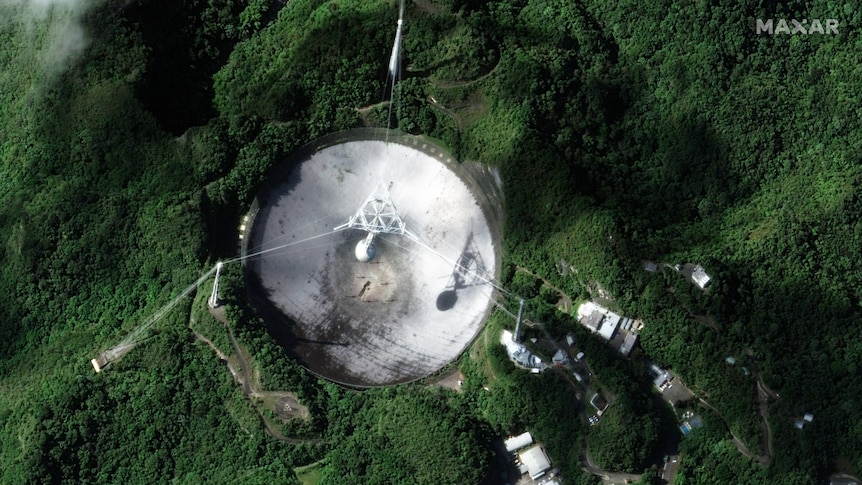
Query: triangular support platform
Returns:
{"type": "Point", "coordinates": [377, 215]}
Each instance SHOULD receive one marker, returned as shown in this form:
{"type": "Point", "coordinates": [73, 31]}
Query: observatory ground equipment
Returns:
{"type": "Point", "coordinates": [372, 295]}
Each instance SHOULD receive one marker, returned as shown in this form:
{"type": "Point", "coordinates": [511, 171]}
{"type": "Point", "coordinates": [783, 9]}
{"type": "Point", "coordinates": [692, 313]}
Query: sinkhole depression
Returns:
{"type": "Point", "coordinates": [392, 314]}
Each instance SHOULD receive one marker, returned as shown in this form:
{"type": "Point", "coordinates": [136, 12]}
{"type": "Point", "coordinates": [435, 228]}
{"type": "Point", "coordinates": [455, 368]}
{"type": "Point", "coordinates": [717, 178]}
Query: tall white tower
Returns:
{"type": "Point", "coordinates": [395, 57]}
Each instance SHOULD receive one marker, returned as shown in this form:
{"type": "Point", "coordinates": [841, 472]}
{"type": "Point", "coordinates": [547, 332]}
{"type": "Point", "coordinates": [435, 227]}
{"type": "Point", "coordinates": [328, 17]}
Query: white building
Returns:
{"type": "Point", "coordinates": [520, 355]}
{"type": "Point", "coordinates": [560, 358]}
{"type": "Point", "coordinates": [610, 325]}
{"type": "Point", "coordinates": [700, 278]}
{"type": "Point", "coordinates": [515, 443]}
{"type": "Point", "coordinates": [536, 461]}
{"type": "Point", "coordinates": [628, 344]}
{"type": "Point", "coordinates": [661, 377]}
{"type": "Point", "coordinates": [587, 309]}
{"type": "Point", "coordinates": [599, 319]}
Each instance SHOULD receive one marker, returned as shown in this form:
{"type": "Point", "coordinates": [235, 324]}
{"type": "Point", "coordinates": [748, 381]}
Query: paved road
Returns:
{"type": "Point", "coordinates": [565, 302]}
{"type": "Point", "coordinates": [670, 469]}
{"type": "Point", "coordinates": [607, 476]}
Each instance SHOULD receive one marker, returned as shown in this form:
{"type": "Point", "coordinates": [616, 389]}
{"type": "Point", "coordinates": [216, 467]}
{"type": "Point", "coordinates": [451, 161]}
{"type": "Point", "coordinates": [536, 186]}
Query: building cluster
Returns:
{"type": "Point", "coordinates": [697, 274]}
{"type": "Point", "coordinates": [800, 423]}
{"type": "Point", "coordinates": [520, 355]}
{"type": "Point", "coordinates": [610, 326]}
{"type": "Point", "coordinates": [530, 458]}
{"type": "Point", "coordinates": [660, 377]}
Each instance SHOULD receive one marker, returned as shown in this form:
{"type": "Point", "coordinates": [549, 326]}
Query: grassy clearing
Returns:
{"type": "Point", "coordinates": [203, 322]}
{"type": "Point", "coordinates": [311, 474]}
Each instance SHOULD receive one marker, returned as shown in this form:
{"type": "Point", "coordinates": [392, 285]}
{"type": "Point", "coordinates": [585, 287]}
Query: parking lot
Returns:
{"type": "Point", "coordinates": [677, 392]}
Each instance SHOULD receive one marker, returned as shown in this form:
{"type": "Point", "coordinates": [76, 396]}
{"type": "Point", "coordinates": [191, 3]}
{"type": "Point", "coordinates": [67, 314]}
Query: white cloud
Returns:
{"type": "Point", "coordinates": [52, 28]}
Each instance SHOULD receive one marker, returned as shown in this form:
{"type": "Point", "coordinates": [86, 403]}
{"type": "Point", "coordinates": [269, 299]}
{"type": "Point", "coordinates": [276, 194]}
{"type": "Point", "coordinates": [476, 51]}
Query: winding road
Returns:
{"type": "Point", "coordinates": [243, 377]}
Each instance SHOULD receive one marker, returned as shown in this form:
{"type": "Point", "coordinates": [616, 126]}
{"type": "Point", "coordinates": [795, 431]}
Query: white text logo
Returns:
{"type": "Point", "coordinates": [797, 27]}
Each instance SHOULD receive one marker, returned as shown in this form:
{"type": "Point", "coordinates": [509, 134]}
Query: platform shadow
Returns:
{"type": "Point", "coordinates": [469, 270]}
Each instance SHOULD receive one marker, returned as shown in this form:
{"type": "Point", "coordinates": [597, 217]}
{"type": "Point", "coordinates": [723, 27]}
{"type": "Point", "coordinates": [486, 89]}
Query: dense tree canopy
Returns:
{"type": "Point", "coordinates": [134, 134]}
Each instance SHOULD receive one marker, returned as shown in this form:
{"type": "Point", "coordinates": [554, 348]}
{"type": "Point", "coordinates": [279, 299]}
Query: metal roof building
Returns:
{"type": "Point", "coordinates": [610, 325]}
{"type": "Point", "coordinates": [629, 344]}
{"type": "Point", "coordinates": [515, 443]}
{"type": "Point", "coordinates": [520, 355]}
{"type": "Point", "coordinates": [700, 277]}
{"type": "Point", "coordinates": [536, 460]}
{"type": "Point", "coordinates": [560, 357]}
{"type": "Point", "coordinates": [586, 309]}
{"type": "Point", "coordinates": [594, 321]}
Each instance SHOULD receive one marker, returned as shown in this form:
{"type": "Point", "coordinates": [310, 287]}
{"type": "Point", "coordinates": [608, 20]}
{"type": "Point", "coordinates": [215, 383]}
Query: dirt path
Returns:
{"type": "Point", "coordinates": [564, 303]}
{"type": "Point", "coordinates": [766, 429]}
{"type": "Point", "coordinates": [763, 395]}
{"type": "Point", "coordinates": [607, 476]}
{"type": "Point", "coordinates": [764, 459]}
{"type": "Point", "coordinates": [364, 111]}
{"type": "Point", "coordinates": [430, 7]}
{"type": "Point", "coordinates": [450, 380]}
{"type": "Point", "coordinates": [459, 123]}
{"type": "Point", "coordinates": [243, 376]}
{"type": "Point", "coordinates": [458, 84]}
{"type": "Point", "coordinates": [704, 319]}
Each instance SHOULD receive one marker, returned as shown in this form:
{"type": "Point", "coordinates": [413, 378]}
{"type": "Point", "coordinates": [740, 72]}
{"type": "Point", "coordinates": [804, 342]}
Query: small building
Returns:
{"type": "Point", "coordinates": [587, 309]}
{"type": "Point", "coordinates": [594, 321]}
{"type": "Point", "coordinates": [650, 266]}
{"type": "Point", "coordinates": [570, 340]}
{"type": "Point", "coordinates": [520, 355]}
{"type": "Point", "coordinates": [661, 377]}
{"type": "Point", "coordinates": [536, 461]}
{"type": "Point", "coordinates": [515, 443]}
{"type": "Point", "coordinates": [610, 325]}
{"type": "Point", "coordinates": [99, 362]}
{"type": "Point", "coordinates": [600, 403]}
{"type": "Point", "coordinates": [560, 358]}
{"type": "Point", "coordinates": [700, 278]}
{"type": "Point", "coordinates": [626, 324]}
{"type": "Point", "coordinates": [628, 344]}
{"type": "Point", "coordinates": [800, 423]}
{"type": "Point", "coordinates": [730, 360]}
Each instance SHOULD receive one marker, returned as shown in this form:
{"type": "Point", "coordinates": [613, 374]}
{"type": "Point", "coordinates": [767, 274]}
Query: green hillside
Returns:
{"type": "Point", "coordinates": [133, 136]}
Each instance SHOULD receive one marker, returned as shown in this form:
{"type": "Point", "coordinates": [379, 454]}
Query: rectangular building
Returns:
{"type": "Point", "coordinates": [536, 460]}
{"type": "Point", "coordinates": [515, 443]}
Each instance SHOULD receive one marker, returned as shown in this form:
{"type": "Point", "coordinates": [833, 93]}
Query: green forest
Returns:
{"type": "Point", "coordinates": [134, 135]}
